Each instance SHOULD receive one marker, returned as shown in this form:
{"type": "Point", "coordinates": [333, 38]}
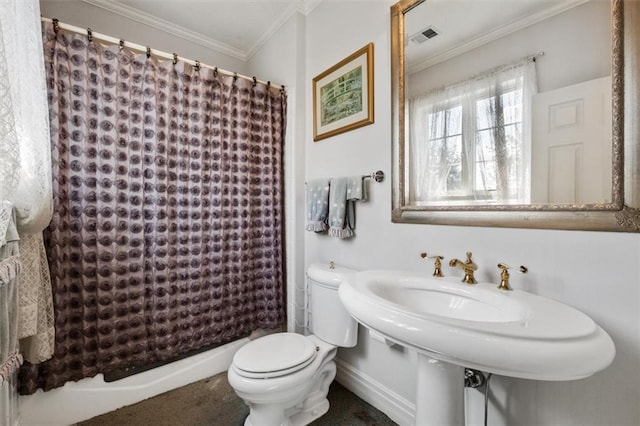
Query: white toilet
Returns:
{"type": "Point", "coordinates": [285, 377]}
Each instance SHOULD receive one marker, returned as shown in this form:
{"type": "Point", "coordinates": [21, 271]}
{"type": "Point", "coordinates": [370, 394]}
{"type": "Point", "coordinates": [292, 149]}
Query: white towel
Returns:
{"type": "Point", "coordinates": [317, 204]}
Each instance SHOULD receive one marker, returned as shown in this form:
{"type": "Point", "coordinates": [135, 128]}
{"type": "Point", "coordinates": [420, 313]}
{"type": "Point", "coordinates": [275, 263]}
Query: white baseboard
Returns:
{"type": "Point", "coordinates": [399, 409]}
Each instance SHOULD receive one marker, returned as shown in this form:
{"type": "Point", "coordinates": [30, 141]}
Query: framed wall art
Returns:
{"type": "Point", "coordinates": [343, 95]}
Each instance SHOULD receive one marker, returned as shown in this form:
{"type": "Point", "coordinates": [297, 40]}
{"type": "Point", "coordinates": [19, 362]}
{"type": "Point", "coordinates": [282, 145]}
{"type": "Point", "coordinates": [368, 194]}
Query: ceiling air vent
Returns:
{"type": "Point", "coordinates": [424, 35]}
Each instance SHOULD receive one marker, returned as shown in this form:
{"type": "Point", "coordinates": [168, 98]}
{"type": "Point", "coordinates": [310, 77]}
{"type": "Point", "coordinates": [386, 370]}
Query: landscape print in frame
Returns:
{"type": "Point", "coordinates": [343, 95]}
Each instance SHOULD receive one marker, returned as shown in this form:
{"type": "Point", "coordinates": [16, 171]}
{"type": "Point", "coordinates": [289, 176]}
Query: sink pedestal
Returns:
{"type": "Point", "coordinates": [440, 393]}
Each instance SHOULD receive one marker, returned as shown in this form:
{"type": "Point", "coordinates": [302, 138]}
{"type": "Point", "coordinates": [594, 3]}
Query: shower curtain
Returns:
{"type": "Point", "coordinates": [167, 232]}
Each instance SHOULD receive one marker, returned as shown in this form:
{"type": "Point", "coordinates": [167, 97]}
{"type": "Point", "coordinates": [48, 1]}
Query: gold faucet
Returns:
{"type": "Point", "coordinates": [504, 275]}
{"type": "Point", "coordinates": [468, 267]}
{"type": "Point", "coordinates": [437, 271]}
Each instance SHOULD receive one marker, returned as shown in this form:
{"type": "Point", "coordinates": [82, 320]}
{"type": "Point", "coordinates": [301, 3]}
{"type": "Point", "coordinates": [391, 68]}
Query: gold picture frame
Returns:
{"type": "Point", "coordinates": [343, 95]}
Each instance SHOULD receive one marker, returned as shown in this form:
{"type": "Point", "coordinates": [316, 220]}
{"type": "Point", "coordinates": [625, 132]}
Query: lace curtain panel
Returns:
{"type": "Point", "coordinates": [36, 323]}
{"type": "Point", "coordinates": [471, 141]}
{"type": "Point", "coordinates": [167, 232]}
{"type": "Point", "coordinates": [25, 166]}
{"type": "Point", "coordinates": [25, 153]}
{"type": "Point", "coordinates": [10, 358]}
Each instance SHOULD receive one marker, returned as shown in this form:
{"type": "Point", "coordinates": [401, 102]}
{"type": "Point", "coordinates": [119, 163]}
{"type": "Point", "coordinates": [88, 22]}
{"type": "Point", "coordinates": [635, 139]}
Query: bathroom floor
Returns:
{"type": "Point", "coordinates": [213, 402]}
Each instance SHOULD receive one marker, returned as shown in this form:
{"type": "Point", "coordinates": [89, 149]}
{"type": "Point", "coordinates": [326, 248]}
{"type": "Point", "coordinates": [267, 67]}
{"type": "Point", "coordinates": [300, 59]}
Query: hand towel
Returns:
{"type": "Point", "coordinates": [317, 204]}
{"type": "Point", "coordinates": [343, 194]}
{"type": "Point", "coordinates": [338, 208]}
{"type": "Point", "coordinates": [356, 191]}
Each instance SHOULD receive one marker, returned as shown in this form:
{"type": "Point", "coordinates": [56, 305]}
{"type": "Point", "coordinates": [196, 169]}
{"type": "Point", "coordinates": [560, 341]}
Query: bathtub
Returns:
{"type": "Point", "coordinates": [87, 398]}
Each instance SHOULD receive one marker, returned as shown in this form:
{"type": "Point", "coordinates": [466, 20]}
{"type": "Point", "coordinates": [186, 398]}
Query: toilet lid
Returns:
{"type": "Point", "coordinates": [280, 352]}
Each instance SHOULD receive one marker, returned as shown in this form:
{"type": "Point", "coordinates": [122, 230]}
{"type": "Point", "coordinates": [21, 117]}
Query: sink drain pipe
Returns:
{"type": "Point", "coordinates": [475, 379]}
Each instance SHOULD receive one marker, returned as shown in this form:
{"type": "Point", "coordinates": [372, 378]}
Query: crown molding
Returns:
{"type": "Point", "coordinates": [114, 6]}
{"type": "Point", "coordinates": [303, 7]}
{"type": "Point", "coordinates": [502, 31]}
{"type": "Point", "coordinates": [137, 15]}
{"type": "Point", "coordinates": [306, 6]}
{"type": "Point", "coordinates": [291, 10]}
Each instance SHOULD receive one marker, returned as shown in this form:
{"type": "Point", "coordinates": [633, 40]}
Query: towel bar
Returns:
{"type": "Point", "coordinates": [377, 176]}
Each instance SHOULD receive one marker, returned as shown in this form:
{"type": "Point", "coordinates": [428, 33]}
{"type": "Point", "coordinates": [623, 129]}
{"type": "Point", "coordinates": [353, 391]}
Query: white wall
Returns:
{"type": "Point", "coordinates": [598, 273]}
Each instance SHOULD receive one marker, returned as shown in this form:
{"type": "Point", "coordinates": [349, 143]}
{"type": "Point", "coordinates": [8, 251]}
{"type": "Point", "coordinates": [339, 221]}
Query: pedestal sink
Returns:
{"type": "Point", "coordinates": [455, 326]}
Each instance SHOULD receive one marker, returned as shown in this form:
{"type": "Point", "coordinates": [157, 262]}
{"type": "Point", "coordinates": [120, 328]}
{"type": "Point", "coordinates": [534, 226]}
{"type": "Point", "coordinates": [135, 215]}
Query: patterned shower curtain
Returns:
{"type": "Point", "coordinates": [167, 232]}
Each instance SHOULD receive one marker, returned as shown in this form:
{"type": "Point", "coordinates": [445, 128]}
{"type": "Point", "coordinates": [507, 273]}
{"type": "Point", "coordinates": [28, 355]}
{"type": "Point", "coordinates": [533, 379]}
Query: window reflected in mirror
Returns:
{"type": "Point", "coordinates": [508, 103]}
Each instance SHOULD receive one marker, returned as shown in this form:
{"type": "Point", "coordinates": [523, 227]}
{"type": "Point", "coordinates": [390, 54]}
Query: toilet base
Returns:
{"type": "Point", "coordinates": [291, 413]}
{"type": "Point", "coordinates": [298, 418]}
{"type": "Point", "coordinates": [309, 415]}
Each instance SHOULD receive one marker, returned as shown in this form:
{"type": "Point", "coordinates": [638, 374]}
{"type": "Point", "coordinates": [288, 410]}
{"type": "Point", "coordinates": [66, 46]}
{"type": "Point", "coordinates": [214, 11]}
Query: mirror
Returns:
{"type": "Point", "coordinates": [515, 117]}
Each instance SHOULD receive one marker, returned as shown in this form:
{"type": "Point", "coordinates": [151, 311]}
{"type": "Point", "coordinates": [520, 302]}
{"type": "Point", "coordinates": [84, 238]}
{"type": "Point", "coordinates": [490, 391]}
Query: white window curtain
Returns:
{"type": "Point", "coordinates": [25, 169]}
{"type": "Point", "coordinates": [470, 142]}
{"type": "Point", "coordinates": [25, 146]}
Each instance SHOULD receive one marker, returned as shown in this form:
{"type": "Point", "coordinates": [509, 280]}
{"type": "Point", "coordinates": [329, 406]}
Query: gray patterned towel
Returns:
{"type": "Point", "coordinates": [356, 191]}
{"type": "Point", "coordinates": [317, 204]}
{"type": "Point", "coordinates": [343, 194]}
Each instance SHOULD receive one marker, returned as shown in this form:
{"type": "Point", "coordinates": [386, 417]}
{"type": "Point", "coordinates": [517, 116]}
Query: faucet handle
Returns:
{"type": "Point", "coordinates": [469, 266]}
{"type": "Point", "coordinates": [504, 275]}
{"type": "Point", "coordinates": [437, 271]}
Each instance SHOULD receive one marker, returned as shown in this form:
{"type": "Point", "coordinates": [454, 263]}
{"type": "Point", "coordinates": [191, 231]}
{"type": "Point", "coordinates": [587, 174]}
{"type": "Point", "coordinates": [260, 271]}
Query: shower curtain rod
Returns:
{"type": "Point", "coordinates": [133, 46]}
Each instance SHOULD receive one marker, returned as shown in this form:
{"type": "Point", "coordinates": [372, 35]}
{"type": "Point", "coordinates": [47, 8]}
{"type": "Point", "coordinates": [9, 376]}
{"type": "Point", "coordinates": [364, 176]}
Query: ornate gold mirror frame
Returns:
{"type": "Point", "coordinates": [622, 214]}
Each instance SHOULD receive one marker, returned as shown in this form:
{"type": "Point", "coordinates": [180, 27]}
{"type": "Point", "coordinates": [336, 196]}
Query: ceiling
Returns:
{"type": "Point", "coordinates": [233, 27]}
{"type": "Point", "coordinates": [482, 22]}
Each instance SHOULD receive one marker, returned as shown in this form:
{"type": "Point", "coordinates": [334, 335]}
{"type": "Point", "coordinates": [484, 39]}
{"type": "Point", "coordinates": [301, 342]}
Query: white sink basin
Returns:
{"type": "Point", "coordinates": [512, 333]}
{"type": "Point", "coordinates": [449, 301]}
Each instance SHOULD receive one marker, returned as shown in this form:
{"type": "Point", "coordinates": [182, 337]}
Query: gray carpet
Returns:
{"type": "Point", "coordinates": [212, 401]}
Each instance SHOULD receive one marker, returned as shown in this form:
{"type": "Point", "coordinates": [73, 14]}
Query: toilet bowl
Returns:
{"type": "Point", "coordinates": [285, 377]}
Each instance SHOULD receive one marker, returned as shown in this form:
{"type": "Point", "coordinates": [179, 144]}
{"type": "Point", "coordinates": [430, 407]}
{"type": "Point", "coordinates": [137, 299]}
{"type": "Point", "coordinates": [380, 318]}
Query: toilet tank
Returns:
{"type": "Point", "coordinates": [329, 320]}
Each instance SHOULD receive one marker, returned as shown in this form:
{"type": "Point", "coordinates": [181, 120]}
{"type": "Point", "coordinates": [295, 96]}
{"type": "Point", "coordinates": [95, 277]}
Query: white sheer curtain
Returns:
{"type": "Point", "coordinates": [470, 142]}
{"type": "Point", "coordinates": [25, 183]}
{"type": "Point", "coordinates": [26, 152]}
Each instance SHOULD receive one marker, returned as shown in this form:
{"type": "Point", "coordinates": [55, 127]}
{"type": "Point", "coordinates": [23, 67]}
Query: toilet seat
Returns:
{"type": "Point", "coordinates": [274, 355]}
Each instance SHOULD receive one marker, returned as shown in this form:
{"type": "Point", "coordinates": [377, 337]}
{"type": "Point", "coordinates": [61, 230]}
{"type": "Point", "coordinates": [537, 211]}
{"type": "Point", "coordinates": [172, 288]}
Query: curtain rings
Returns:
{"type": "Point", "coordinates": [215, 72]}
{"type": "Point", "coordinates": [121, 44]}
{"type": "Point", "coordinates": [235, 77]}
{"type": "Point", "coordinates": [148, 52]}
{"type": "Point", "coordinates": [175, 58]}
{"type": "Point", "coordinates": [89, 35]}
{"type": "Point", "coordinates": [56, 25]}
{"type": "Point", "coordinates": [255, 81]}
{"type": "Point", "coordinates": [197, 65]}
